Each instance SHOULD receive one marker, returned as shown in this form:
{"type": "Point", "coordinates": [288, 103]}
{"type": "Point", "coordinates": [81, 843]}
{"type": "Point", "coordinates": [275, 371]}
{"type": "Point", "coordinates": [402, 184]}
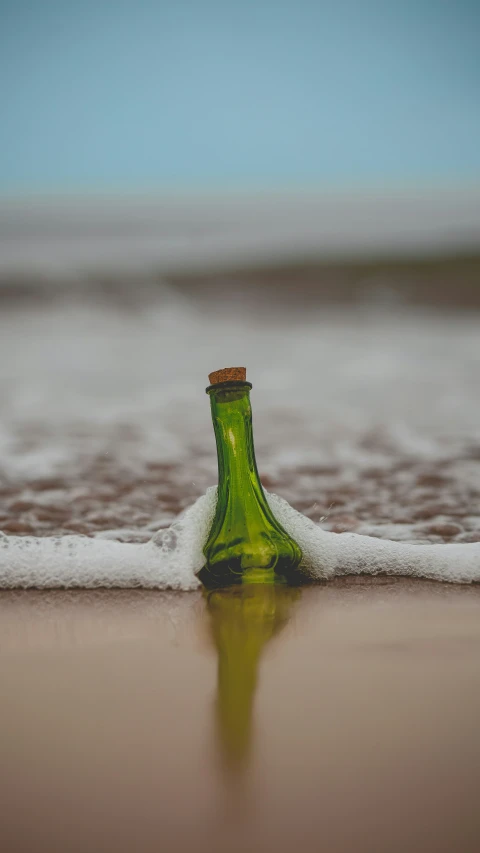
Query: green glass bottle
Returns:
{"type": "Point", "coordinates": [246, 543]}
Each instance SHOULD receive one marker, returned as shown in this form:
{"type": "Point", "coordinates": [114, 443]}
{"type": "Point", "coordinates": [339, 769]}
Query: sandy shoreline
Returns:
{"type": "Point", "coordinates": [362, 700]}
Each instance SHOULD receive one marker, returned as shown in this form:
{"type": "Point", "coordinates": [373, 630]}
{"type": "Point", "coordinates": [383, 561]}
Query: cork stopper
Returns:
{"type": "Point", "coordinates": [228, 374]}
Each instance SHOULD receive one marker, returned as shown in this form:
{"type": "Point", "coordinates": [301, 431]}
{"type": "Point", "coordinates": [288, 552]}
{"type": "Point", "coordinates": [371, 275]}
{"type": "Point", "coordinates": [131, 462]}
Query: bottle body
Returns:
{"type": "Point", "coordinates": [246, 543]}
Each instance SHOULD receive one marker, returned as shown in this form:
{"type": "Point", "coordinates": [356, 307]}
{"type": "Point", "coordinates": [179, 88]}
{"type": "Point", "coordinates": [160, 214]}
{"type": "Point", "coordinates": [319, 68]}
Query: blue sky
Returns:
{"type": "Point", "coordinates": [210, 94]}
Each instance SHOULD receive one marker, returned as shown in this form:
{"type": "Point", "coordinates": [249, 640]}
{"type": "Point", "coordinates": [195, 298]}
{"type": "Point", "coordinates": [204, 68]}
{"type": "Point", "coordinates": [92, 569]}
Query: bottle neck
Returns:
{"type": "Point", "coordinates": [232, 422]}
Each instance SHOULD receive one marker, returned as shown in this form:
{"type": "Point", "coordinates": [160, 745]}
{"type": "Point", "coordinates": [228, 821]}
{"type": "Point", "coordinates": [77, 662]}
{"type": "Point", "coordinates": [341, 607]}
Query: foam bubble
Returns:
{"type": "Point", "coordinates": [172, 558]}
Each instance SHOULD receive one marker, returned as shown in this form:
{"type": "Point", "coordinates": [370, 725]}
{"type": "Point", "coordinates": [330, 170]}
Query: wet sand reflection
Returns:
{"type": "Point", "coordinates": [243, 620]}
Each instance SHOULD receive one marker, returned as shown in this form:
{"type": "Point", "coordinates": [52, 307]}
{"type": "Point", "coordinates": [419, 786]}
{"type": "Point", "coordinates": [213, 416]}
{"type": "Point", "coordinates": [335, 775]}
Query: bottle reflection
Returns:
{"type": "Point", "coordinates": [242, 620]}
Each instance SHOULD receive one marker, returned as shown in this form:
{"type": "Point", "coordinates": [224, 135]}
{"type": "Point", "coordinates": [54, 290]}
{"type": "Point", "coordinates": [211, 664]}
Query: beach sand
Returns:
{"type": "Point", "coordinates": [341, 717]}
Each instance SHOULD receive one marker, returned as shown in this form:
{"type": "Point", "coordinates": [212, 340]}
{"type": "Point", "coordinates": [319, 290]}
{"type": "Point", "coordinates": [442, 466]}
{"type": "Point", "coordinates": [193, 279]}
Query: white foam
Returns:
{"type": "Point", "coordinates": [326, 555]}
{"type": "Point", "coordinates": [171, 559]}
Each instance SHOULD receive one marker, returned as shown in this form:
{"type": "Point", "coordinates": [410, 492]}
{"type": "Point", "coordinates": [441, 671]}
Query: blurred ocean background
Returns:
{"type": "Point", "coordinates": [290, 186]}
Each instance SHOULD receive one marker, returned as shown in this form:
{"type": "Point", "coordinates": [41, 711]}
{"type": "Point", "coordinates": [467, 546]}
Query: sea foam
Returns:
{"type": "Point", "coordinates": [173, 557]}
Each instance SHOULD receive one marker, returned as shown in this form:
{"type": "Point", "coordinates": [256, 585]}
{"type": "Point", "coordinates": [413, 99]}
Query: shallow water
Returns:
{"type": "Point", "coordinates": [339, 717]}
{"type": "Point", "coordinates": [366, 415]}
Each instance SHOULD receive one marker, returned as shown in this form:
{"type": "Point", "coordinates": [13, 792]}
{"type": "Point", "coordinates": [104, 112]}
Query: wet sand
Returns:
{"type": "Point", "coordinates": [339, 717]}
